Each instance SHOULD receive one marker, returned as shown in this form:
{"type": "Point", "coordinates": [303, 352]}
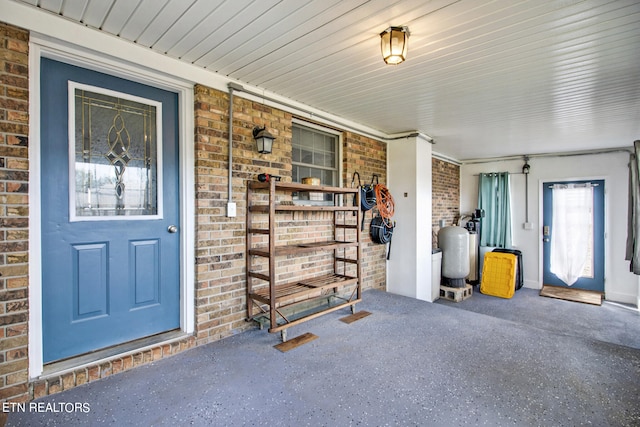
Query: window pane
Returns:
{"type": "Point", "coordinates": [328, 177]}
{"type": "Point", "coordinates": [321, 160]}
{"type": "Point", "coordinates": [296, 134]}
{"type": "Point", "coordinates": [306, 139]}
{"type": "Point", "coordinates": [316, 173]}
{"type": "Point", "coordinates": [329, 144]}
{"type": "Point", "coordinates": [318, 142]}
{"type": "Point", "coordinates": [306, 156]}
{"type": "Point", "coordinates": [314, 154]}
{"type": "Point", "coordinates": [304, 172]}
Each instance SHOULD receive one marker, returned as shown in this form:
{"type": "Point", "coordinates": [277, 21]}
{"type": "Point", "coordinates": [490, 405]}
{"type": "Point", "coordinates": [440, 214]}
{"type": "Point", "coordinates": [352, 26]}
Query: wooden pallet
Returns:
{"type": "Point", "coordinates": [572, 294]}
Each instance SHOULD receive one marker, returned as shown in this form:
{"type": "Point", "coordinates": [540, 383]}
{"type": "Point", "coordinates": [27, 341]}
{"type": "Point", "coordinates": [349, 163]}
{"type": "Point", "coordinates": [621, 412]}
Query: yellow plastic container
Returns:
{"type": "Point", "coordinates": [499, 274]}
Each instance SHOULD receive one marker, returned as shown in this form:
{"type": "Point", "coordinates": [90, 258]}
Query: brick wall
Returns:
{"type": "Point", "coordinates": [220, 241]}
{"type": "Point", "coordinates": [14, 212]}
{"type": "Point", "coordinates": [445, 183]}
{"type": "Point", "coordinates": [367, 157]}
{"type": "Point", "coordinates": [220, 245]}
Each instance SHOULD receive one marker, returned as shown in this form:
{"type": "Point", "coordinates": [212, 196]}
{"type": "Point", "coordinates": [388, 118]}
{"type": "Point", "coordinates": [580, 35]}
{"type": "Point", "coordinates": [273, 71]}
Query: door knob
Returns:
{"type": "Point", "coordinates": [172, 229]}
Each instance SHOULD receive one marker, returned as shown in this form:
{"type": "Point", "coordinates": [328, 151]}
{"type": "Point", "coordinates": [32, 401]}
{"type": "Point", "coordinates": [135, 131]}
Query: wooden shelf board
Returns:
{"type": "Point", "coordinates": [302, 288]}
{"type": "Point", "coordinates": [351, 226]}
{"type": "Point", "coordinates": [293, 186]}
{"type": "Point", "coordinates": [258, 275]}
{"type": "Point", "coordinates": [302, 208]}
{"type": "Point", "coordinates": [303, 247]}
{"type": "Point", "coordinates": [258, 231]}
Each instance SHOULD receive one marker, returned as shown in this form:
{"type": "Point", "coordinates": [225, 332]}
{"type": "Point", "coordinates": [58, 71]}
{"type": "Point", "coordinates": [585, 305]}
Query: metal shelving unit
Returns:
{"type": "Point", "coordinates": [280, 305]}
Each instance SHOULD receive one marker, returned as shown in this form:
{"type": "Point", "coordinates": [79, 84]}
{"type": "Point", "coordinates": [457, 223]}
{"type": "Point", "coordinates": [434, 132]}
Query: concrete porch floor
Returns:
{"type": "Point", "coordinates": [527, 361]}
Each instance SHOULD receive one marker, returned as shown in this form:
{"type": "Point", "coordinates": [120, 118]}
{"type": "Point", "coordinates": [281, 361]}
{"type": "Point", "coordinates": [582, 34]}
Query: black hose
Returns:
{"type": "Point", "coordinates": [381, 232]}
{"type": "Point", "coordinates": [367, 193]}
{"type": "Point", "coordinates": [367, 197]}
{"type": "Point", "coordinates": [367, 201]}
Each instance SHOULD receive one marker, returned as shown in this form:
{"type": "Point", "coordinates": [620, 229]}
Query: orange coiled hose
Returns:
{"type": "Point", "coordinates": [384, 201]}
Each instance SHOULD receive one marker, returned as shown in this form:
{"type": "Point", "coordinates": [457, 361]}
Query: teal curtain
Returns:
{"type": "Point", "coordinates": [493, 198]}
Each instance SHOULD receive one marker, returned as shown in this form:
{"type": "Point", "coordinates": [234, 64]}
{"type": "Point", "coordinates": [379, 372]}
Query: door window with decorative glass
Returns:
{"type": "Point", "coordinates": [114, 155]}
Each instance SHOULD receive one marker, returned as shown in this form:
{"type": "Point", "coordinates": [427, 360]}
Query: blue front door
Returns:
{"type": "Point", "coordinates": [110, 210]}
{"type": "Point", "coordinates": [593, 277]}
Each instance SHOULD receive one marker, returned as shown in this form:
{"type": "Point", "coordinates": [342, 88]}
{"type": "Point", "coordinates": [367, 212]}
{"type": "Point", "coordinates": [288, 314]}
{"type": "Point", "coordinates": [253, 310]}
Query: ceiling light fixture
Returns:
{"type": "Point", "coordinates": [394, 42]}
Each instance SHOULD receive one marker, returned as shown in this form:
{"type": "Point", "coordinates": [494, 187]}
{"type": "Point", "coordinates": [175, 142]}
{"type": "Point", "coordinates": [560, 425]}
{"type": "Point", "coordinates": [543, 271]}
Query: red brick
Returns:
{"type": "Point", "coordinates": [39, 389]}
{"type": "Point", "coordinates": [138, 359]}
{"type": "Point", "coordinates": [55, 385]}
{"type": "Point", "coordinates": [93, 373]}
{"type": "Point", "coordinates": [68, 381]}
{"type": "Point", "coordinates": [105, 370]}
{"type": "Point", "coordinates": [117, 366]}
{"type": "Point", "coordinates": [81, 376]}
{"type": "Point", "coordinates": [13, 392]}
{"type": "Point", "coordinates": [127, 363]}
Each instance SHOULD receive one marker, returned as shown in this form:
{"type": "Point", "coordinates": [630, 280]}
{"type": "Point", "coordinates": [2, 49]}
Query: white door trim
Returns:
{"type": "Point", "coordinates": [45, 47]}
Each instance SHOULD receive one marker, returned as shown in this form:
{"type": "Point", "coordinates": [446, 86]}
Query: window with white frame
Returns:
{"type": "Point", "coordinates": [316, 154]}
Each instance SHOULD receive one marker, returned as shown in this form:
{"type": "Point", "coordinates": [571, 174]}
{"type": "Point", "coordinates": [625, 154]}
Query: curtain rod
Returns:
{"type": "Point", "coordinates": [510, 173]}
{"type": "Point", "coordinates": [586, 184]}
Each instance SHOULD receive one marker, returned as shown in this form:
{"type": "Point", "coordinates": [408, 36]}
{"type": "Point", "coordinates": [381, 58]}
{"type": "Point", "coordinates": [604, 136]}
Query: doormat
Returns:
{"type": "Point", "coordinates": [355, 316]}
{"type": "Point", "coordinates": [572, 294]}
{"type": "Point", "coordinates": [296, 342]}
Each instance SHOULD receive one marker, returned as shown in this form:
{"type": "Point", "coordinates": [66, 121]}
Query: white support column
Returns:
{"type": "Point", "coordinates": [409, 170]}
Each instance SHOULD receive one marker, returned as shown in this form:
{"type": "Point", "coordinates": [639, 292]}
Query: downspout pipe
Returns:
{"type": "Point", "coordinates": [231, 206]}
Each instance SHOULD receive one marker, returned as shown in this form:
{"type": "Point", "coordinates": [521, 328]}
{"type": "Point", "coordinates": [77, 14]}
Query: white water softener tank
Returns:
{"type": "Point", "coordinates": [454, 242]}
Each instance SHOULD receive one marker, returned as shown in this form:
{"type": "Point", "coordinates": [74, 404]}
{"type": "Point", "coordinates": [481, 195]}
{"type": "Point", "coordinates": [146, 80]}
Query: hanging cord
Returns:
{"type": "Point", "coordinates": [384, 201]}
{"type": "Point", "coordinates": [367, 193]}
{"type": "Point", "coordinates": [380, 232]}
{"type": "Point", "coordinates": [382, 227]}
{"type": "Point", "coordinates": [367, 198]}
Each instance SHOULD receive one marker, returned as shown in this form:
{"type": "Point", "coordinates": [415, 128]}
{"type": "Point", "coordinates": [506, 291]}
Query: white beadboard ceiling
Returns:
{"type": "Point", "coordinates": [483, 78]}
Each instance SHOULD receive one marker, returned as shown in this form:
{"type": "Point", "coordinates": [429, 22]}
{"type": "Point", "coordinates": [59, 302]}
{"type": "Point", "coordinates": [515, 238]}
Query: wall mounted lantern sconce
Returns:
{"type": "Point", "coordinates": [394, 42]}
{"type": "Point", "coordinates": [264, 140]}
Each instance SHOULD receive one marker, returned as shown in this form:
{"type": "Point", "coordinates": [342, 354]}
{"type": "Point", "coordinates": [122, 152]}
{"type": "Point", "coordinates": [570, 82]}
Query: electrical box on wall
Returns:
{"type": "Point", "coordinates": [231, 209]}
{"type": "Point", "coordinates": [527, 226]}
